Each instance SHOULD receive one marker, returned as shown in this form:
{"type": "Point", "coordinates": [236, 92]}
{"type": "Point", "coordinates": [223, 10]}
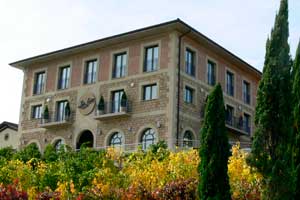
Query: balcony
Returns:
{"type": "Point", "coordinates": [55, 122]}
{"type": "Point", "coordinates": [238, 125]}
{"type": "Point", "coordinates": [113, 110]}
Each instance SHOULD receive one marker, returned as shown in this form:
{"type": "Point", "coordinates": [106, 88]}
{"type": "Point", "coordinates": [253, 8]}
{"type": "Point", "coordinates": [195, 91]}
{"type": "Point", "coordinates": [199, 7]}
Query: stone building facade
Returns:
{"type": "Point", "coordinates": [9, 135]}
{"type": "Point", "coordinates": [144, 64]}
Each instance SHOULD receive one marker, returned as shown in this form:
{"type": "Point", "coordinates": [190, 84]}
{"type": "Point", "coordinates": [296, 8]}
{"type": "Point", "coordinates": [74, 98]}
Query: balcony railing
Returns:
{"type": "Point", "coordinates": [113, 110]}
{"type": "Point", "coordinates": [238, 124]}
{"type": "Point", "coordinates": [55, 121]}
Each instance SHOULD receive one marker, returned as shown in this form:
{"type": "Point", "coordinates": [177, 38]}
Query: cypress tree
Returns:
{"type": "Point", "coordinates": [296, 115]}
{"type": "Point", "coordinates": [214, 150]}
{"type": "Point", "coordinates": [271, 148]}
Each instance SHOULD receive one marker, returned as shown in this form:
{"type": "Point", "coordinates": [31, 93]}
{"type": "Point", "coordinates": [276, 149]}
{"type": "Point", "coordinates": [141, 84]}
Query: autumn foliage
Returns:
{"type": "Point", "coordinates": [155, 175]}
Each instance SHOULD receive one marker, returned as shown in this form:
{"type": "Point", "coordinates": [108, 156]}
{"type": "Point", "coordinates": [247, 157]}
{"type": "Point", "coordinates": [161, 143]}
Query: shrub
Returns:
{"type": "Point", "coordinates": [7, 152]}
{"type": "Point", "coordinates": [29, 152]}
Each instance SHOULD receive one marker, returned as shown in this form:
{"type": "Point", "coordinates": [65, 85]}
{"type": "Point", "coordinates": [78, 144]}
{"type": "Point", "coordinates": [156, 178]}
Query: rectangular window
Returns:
{"type": "Point", "coordinates": [150, 92]}
{"type": "Point", "coordinates": [151, 59]}
{"type": "Point", "coordinates": [247, 123]}
{"type": "Point", "coordinates": [120, 62]}
{"type": "Point", "coordinates": [90, 72]}
{"type": "Point", "coordinates": [60, 110]}
{"type": "Point", "coordinates": [190, 62]}
{"type": "Point", "coordinates": [36, 112]}
{"type": "Point", "coordinates": [39, 82]}
{"type": "Point", "coordinates": [64, 77]}
{"type": "Point", "coordinates": [246, 92]}
{"type": "Point", "coordinates": [116, 101]}
{"type": "Point", "coordinates": [211, 73]}
{"type": "Point", "coordinates": [229, 115]}
{"type": "Point", "coordinates": [230, 83]}
{"type": "Point", "coordinates": [188, 95]}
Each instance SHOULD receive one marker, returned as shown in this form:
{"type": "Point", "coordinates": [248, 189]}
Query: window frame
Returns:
{"type": "Point", "coordinates": [227, 84]}
{"type": "Point", "coordinates": [34, 89]}
{"type": "Point", "coordinates": [232, 114]}
{"type": "Point", "coordinates": [67, 81]}
{"type": "Point", "coordinates": [214, 65]}
{"type": "Point", "coordinates": [192, 92]}
{"type": "Point", "coordinates": [249, 121]}
{"type": "Point", "coordinates": [246, 97]}
{"type": "Point", "coordinates": [192, 70]}
{"type": "Point", "coordinates": [145, 61]}
{"type": "Point", "coordinates": [113, 109]}
{"type": "Point", "coordinates": [144, 141]}
{"type": "Point", "coordinates": [188, 143]}
{"type": "Point", "coordinates": [151, 97]}
{"type": "Point", "coordinates": [94, 73]}
{"type": "Point", "coordinates": [61, 118]}
{"type": "Point", "coordinates": [119, 136]}
{"type": "Point", "coordinates": [33, 110]}
{"type": "Point", "coordinates": [124, 65]}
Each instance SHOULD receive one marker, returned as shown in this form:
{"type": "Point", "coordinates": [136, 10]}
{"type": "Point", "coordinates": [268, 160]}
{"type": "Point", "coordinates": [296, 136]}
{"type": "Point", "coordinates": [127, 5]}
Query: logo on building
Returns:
{"type": "Point", "coordinates": [87, 103]}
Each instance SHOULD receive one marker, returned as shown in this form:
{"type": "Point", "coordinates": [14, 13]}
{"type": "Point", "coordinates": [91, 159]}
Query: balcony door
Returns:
{"type": "Point", "coordinates": [116, 100]}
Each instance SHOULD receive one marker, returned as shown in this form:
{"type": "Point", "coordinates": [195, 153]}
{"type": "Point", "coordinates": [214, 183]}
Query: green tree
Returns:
{"type": "Point", "coordinates": [214, 150]}
{"type": "Point", "coordinates": [271, 148]}
{"type": "Point", "coordinates": [29, 152]}
{"type": "Point", "coordinates": [50, 154]}
{"type": "Point", "coordinates": [296, 115]}
{"type": "Point", "coordinates": [7, 152]}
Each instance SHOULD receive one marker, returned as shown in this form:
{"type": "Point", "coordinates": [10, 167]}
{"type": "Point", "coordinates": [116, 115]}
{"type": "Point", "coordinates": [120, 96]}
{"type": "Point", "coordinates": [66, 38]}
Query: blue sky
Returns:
{"type": "Point", "coordinates": [32, 27]}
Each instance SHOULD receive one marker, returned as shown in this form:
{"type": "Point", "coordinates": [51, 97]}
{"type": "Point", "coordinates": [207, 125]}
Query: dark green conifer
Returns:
{"type": "Point", "coordinates": [214, 150]}
{"type": "Point", "coordinates": [296, 115]}
{"type": "Point", "coordinates": [271, 148]}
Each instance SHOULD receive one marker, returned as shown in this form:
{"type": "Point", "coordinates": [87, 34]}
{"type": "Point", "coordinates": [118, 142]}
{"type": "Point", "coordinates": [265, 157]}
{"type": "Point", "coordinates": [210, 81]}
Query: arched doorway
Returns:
{"type": "Point", "coordinates": [86, 138]}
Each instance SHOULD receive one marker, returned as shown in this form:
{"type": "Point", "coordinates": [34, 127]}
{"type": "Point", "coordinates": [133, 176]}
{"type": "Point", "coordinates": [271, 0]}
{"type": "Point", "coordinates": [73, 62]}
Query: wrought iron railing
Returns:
{"type": "Point", "coordinates": [114, 107]}
{"type": "Point", "coordinates": [238, 123]}
{"type": "Point", "coordinates": [55, 118]}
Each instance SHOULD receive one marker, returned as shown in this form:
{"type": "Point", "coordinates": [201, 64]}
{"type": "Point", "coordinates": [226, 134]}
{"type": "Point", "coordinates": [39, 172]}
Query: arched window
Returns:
{"type": "Point", "coordinates": [148, 138]}
{"type": "Point", "coordinates": [115, 139]}
{"type": "Point", "coordinates": [188, 139]}
{"type": "Point", "coordinates": [58, 144]}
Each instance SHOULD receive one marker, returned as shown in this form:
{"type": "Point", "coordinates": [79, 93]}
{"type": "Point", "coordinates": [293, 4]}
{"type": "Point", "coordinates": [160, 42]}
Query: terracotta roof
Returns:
{"type": "Point", "coordinates": [10, 125]}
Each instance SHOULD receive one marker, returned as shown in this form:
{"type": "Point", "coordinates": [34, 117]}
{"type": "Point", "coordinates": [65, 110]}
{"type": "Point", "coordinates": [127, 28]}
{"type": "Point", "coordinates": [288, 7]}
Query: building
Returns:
{"type": "Point", "coordinates": [9, 136]}
{"type": "Point", "coordinates": [163, 103]}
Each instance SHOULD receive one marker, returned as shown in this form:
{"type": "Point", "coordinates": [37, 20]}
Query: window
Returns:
{"type": "Point", "coordinates": [211, 73]}
{"type": "Point", "coordinates": [58, 144]}
{"type": "Point", "coordinates": [6, 136]}
{"type": "Point", "coordinates": [190, 62]}
{"type": "Point", "coordinates": [148, 138]}
{"type": "Point", "coordinates": [229, 115]}
{"type": "Point", "coordinates": [60, 110]}
{"type": "Point", "coordinates": [188, 95]}
{"type": "Point", "coordinates": [116, 139]}
{"type": "Point", "coordinates": [188, 139]}
{"type": "Point", "coordinates": [230, 83]}
{"type": "Point", "coordinates": [36, 112]}
{"type": "Point", "coordinates": [150, 92]}
{"type": "Point", "coordinates": [246, 92]}
{"type": "Point", "coordinates": [247, 122]}
{"type": "Point", "coordinates": [39, 83]}
{"type": "Point", "coordinates": [90, 72]}
{"type": "Point", "coordinates": [116, 100]}
{"type": "Point", "coordinates": [64, 77]}
{"type": "Point", "coordinates": [120, 62]}
{"type": "Point", "coordinates": [151, 59]}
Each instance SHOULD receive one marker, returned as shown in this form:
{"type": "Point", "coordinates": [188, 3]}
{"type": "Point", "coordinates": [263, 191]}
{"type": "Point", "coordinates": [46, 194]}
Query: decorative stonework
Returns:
{"type": "Point", "coordinates": [87, 103]}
